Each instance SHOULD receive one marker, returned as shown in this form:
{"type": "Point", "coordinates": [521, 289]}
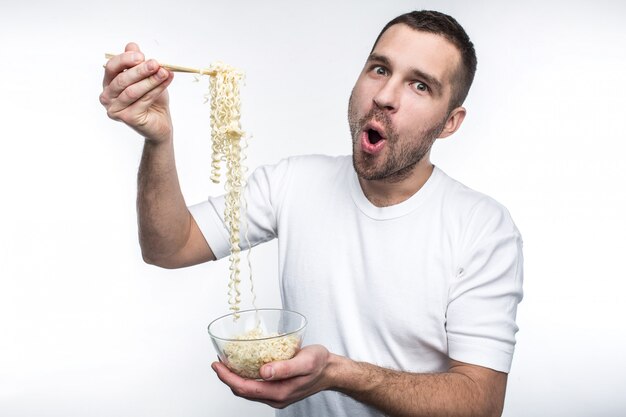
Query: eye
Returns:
{"type": "Point", "coordinates": [421, 87]}
{"type": "Point", "coordinates": [379, 70]}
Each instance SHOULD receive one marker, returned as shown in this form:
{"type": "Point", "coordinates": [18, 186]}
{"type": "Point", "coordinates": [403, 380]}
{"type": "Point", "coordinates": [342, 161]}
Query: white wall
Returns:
{"type": "Point", "coordinates": [87, 329]}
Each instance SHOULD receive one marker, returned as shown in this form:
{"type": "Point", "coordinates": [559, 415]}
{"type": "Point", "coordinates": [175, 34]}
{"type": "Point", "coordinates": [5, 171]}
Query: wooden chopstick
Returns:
{"type": "Point", "coordinates": [177, 68]}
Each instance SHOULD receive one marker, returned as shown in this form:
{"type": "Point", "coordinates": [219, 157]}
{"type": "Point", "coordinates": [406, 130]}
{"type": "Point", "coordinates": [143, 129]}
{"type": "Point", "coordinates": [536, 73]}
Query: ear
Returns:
{"type": "Point", "coordinates": [455, 118]}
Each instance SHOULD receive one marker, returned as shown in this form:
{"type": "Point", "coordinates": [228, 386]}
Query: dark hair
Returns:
{"type": "Point", "coordinates": [446, 26]}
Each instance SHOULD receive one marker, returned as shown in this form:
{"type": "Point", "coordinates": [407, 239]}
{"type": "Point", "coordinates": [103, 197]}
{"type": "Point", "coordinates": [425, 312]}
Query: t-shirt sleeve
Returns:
{"type": "Point", "coordinates": [484, 295]}
{"type": "Point", "coordinates": [263, 194]}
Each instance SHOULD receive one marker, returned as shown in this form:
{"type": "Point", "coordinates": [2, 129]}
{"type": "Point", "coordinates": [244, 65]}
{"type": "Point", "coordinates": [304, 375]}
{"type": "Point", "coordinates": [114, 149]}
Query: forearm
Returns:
{"type": "Point", "coordinates": [403, 394]}
{"type": "Point", "coordinates": [163, 218]}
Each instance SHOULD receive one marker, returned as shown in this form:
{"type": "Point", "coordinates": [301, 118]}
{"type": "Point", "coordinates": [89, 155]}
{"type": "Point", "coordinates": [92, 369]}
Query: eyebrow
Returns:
{"type": "Point", "coordinates": [431, 80]}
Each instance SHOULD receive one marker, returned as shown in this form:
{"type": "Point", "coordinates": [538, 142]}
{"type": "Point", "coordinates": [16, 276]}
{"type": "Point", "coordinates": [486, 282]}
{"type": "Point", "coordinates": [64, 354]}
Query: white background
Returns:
{"type": "Point", "coordinates": [87, 329]}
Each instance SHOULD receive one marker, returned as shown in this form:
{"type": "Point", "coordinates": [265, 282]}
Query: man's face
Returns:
{"type": "Point", "coordinates": [399, 104]}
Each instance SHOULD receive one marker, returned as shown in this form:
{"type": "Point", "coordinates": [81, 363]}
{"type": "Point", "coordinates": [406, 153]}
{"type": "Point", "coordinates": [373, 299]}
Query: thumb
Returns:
{"type": "Point", "coordinates": [304, 363]}
{"type": "Point", "coordinates": [283, 369]}
{"type": "Point", "coordinates": [267, 371]}
{"type": "Point", "coordinates": [131, 47]}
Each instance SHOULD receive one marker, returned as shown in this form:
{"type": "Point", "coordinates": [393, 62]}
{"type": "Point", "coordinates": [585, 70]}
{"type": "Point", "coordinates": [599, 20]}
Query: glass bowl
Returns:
{"type": "Point", "coordinates": [247, 340]}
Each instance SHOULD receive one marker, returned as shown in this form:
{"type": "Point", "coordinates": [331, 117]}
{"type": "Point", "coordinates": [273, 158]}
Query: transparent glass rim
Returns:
{"type": "Point", "coordinates": [299, 329]}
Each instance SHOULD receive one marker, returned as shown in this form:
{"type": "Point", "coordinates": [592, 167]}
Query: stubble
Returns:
{"type": "Point", "coordinates": [403, 154]}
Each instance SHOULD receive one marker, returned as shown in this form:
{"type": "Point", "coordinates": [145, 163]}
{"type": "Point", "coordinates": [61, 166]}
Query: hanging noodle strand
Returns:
{"type": "Point", "coordinates": [226, 135]}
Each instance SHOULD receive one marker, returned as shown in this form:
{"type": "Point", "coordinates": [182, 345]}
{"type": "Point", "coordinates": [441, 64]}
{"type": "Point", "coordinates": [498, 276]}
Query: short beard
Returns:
{"type": "Point", "coordinates": [402, 158]}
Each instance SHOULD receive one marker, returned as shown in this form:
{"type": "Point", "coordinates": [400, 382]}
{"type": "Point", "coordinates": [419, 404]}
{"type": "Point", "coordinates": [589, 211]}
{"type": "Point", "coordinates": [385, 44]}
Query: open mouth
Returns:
{"type": "Point", "coordinates": [373, 136]}
{"type": "Point", "coordinates": [372, 139]}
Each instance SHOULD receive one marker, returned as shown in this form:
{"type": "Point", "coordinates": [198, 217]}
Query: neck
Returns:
{"type": "Point", "coordinates": [399, 187]}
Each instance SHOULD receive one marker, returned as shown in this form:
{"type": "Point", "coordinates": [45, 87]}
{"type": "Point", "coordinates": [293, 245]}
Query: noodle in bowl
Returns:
{"type": "Point", "coordinates": [247, 340]}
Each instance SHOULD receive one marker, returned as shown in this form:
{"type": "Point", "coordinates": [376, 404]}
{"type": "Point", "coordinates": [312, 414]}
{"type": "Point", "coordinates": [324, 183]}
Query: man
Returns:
{"type": "Point", "coordinates": [409, 280]}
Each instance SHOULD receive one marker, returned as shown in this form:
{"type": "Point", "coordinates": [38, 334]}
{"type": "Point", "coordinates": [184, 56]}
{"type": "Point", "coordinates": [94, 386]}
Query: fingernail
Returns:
{"type": "Point", "coordinates": [136, 57]}
{"type": "Point", "coordinates": [162, 74]}
{"type": "Point", "coordinates": [268, 373]}
{"type": "Point", "coordinates": [214, 367]}
{"type": "Point", "coordinates": [151, 65]}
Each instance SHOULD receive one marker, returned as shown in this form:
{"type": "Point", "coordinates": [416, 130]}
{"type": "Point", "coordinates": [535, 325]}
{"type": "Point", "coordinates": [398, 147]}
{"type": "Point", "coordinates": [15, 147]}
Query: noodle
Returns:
{"type": "Point", "coordinates": [226, 135]}
{"type": "Point", "coordinates": [254, 349]}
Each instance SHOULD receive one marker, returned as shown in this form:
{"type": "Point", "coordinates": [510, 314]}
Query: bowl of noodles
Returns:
{"type": "Point", "coordinates": [247, 340]}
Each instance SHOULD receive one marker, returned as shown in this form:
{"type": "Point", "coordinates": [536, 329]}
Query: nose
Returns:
{"type": "Point", "coordinates": [388, 96]}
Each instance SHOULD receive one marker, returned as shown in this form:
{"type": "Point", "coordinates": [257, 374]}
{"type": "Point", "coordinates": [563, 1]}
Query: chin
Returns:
{"type": "Point", "coordinates": [365, 169]}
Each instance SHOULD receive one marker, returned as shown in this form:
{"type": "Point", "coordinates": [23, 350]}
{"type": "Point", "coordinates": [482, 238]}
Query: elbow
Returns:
{"type": "Point", "coordinates": [494, 413]}
{"type": "Point", "coordinates": [180, 259]}
{"type": "Point", "coordinates": [489, 406]}
{"type": "Point", "coordinates": [493, 407]}
{"type": "Point", "coordinates": [160, 261]}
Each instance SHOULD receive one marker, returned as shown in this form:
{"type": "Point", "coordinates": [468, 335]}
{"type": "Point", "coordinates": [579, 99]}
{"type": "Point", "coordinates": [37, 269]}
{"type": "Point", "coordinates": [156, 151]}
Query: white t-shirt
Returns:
{"type": "Point", "coordinates": [403, 287]}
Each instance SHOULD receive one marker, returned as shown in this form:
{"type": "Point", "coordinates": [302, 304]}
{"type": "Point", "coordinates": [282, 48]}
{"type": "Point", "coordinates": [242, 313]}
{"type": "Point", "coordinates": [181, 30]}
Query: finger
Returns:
{"type": "Point", "coordinates": [225, 375]}
{"type": "Point", "coordinates": [304, 363]}
{"type": "Point", "coordinates": [270, 393]}
{"type": "Point", "coordinates": [147, 99]}
{"type": "Point", "coordinates": [241, 387]}
{"type": "Point", "coordinates": [120, 63]}
{"type": "Point", "coordinates": [299, 365]}
{"type": "Point", "coordinates": [131, 76]}
{"type": "Point", "coordinates": [132, 47]}
{"type": "Point", "coordinates": [144, 91]}
{"type": "Point", "coordinates": [140, 105]}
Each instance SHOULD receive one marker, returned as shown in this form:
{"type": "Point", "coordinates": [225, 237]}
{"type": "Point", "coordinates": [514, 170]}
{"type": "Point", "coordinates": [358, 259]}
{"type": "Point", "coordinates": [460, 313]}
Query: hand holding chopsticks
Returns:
{"type": "Point", "coordinates": [177, 68]}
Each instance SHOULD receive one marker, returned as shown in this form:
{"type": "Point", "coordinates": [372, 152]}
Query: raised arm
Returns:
{"type": "Point", "coordinates": [135, 93]}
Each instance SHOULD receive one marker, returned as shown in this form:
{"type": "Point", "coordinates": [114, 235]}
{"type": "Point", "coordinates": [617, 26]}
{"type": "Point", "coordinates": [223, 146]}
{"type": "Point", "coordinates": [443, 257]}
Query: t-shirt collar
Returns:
{"type": "Point", "coordinates": [396, 210]}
